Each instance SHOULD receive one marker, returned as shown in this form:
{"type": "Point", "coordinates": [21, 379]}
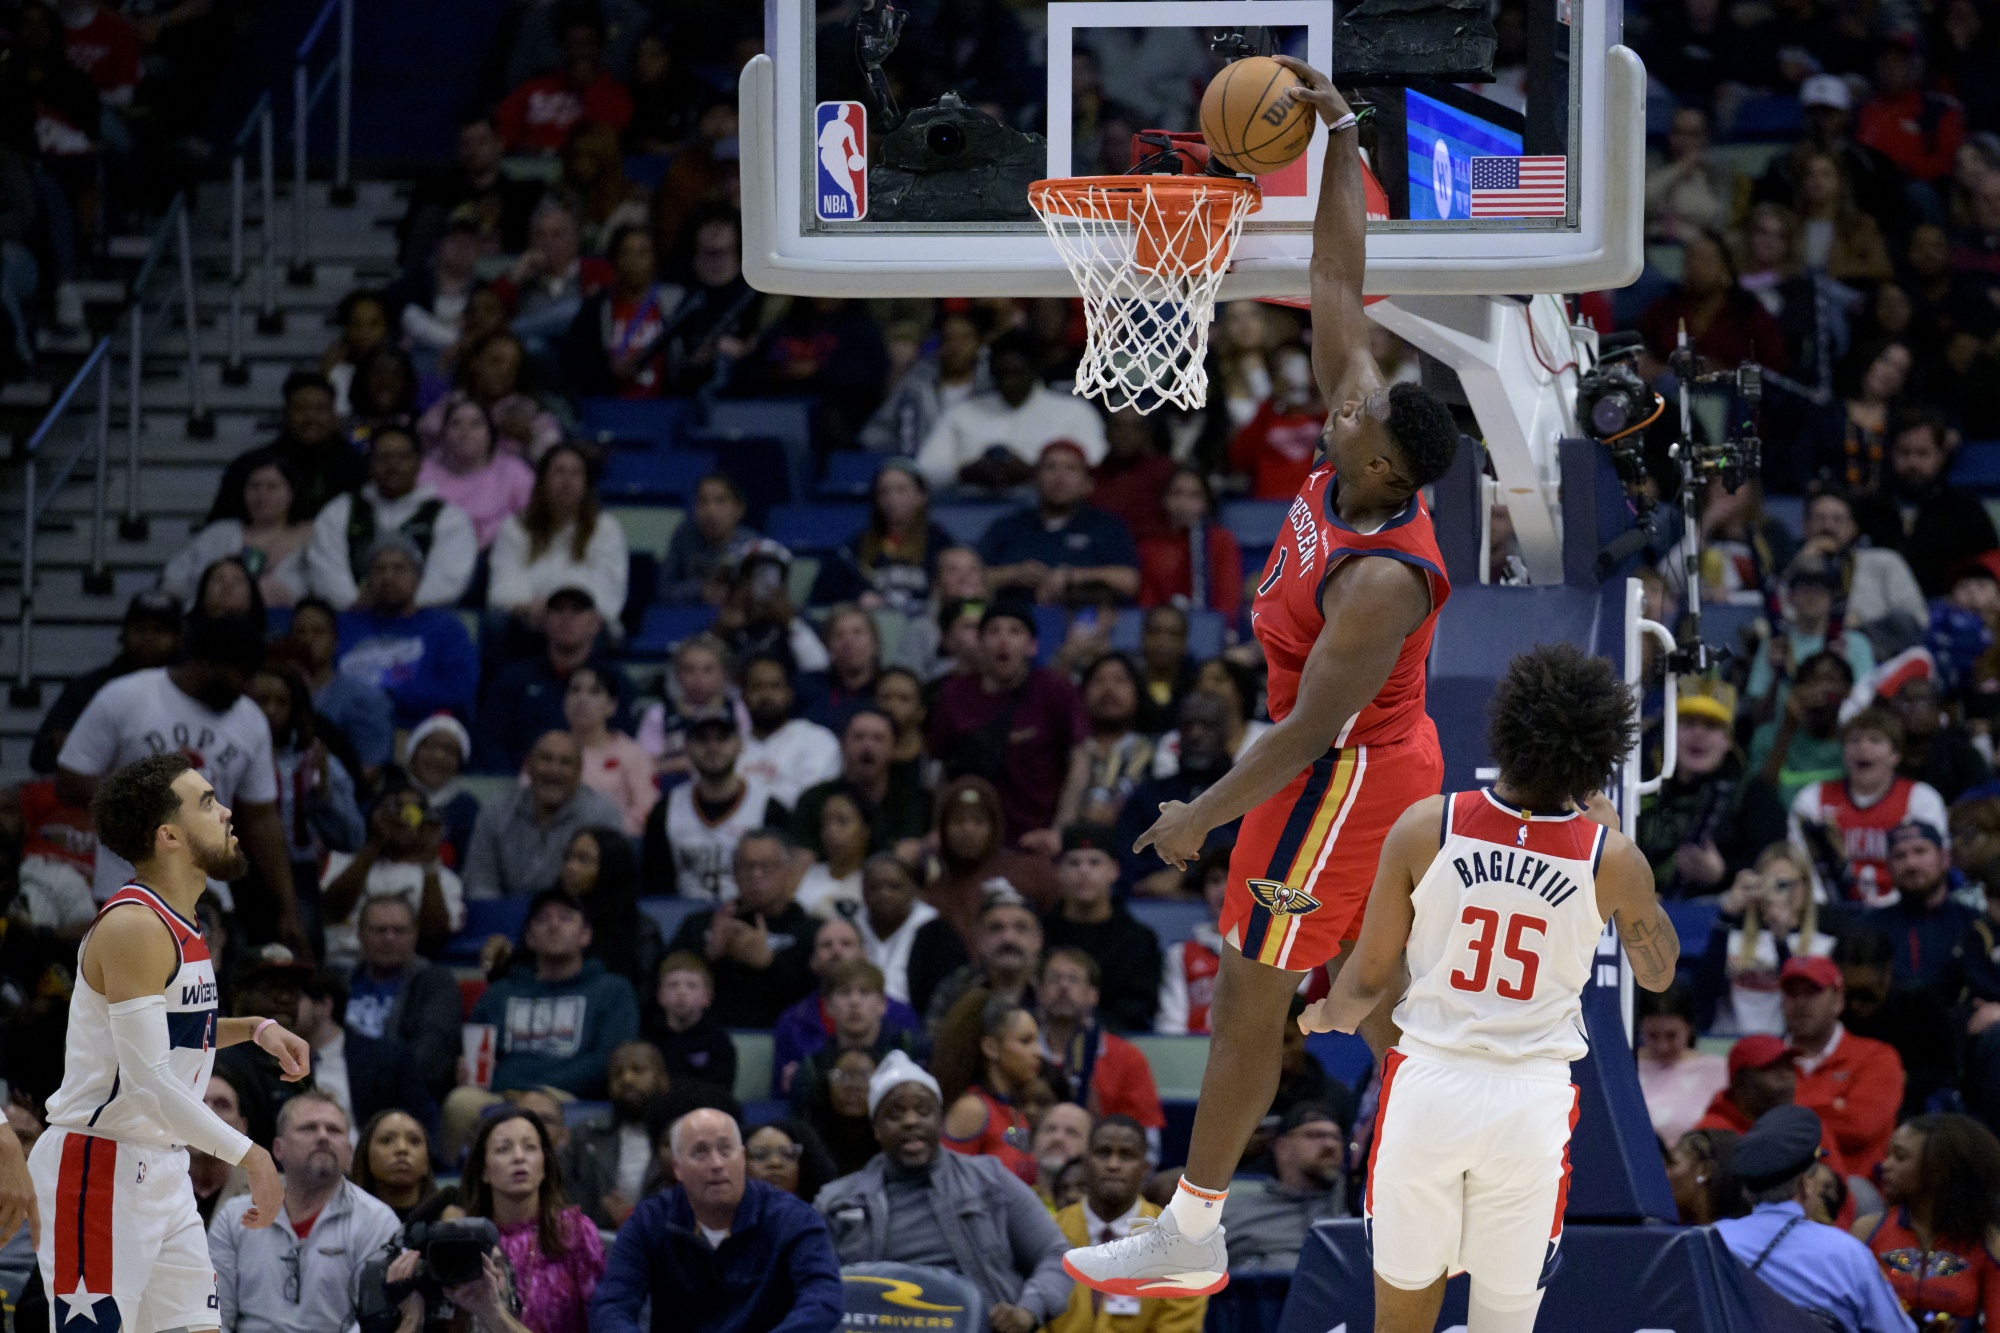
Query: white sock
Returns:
{"type": "Point", "coordinates": [1489, 1311]}
{"type": "Point", "coordinates": [1198, 1212]}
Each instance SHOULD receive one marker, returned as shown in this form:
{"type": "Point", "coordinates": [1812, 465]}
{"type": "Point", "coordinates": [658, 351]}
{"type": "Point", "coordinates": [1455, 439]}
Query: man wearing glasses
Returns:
{"type": "Point", "coordinates": [1346, 637]}
{"type": "Point", "coordinates": [298, 1275]}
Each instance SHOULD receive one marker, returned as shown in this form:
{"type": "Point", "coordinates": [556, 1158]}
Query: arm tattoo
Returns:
{"type": "Point", "coordinates": [1647, 945]}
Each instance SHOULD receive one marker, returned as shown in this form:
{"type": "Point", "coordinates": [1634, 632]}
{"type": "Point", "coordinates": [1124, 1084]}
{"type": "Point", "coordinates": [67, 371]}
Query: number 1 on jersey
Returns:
{"type": "Point", "coordinates": [1487, 922]}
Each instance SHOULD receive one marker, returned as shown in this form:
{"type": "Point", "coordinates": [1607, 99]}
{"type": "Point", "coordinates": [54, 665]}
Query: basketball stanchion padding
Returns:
{"type": "Point", "coordinates": [1148, 253]}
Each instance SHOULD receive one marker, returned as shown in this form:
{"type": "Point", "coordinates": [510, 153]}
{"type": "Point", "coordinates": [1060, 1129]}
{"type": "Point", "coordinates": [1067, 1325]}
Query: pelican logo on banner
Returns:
{"type": "Point", "coordinates": [890, 1298]}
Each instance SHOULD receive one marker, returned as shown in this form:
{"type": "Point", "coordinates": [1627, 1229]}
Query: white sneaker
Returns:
{"type": "Point", "coordinates": [1155, 1260]}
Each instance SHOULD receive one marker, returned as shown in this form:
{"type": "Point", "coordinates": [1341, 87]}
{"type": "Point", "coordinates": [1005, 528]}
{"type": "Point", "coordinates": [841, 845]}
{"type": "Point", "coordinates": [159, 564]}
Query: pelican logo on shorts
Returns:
{"type": "Point", "coordinates": [1283, 899]}
{"type": "Point", "coordinates": [840, 193]}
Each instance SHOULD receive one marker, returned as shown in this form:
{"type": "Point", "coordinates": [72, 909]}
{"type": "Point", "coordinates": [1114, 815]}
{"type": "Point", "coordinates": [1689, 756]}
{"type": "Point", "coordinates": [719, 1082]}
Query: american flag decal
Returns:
{"type": "Point", "coordinates": [1519, 187]}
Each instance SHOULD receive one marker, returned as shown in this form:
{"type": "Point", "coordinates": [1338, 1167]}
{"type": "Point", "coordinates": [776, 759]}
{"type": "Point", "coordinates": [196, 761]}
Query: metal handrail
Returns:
{"type": "Point", "coordinates": [305, 97]}
{"type": "Point", "coordinates": [318, 27]}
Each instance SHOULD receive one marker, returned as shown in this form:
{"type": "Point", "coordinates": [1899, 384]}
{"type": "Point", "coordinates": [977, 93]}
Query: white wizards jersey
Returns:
{"type": "Point", "coordinates": [1505, 934]}
{"type": "Point", "coordinates": [703, 852]}
{"type": "Point", "coordinates": [91, 1097]}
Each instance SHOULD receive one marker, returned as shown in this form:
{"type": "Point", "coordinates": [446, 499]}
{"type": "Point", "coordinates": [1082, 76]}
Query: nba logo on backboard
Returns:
{"type": "Point", "coordinates": [841, 129]}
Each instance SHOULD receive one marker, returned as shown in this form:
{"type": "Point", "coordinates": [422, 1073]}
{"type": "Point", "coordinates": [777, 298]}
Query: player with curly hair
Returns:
{"type": "Point", "coordinates": [1498, 897]}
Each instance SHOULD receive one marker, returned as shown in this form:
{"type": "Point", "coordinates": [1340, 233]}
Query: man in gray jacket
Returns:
{"type": "Point", "coordinates": [915, 1203]}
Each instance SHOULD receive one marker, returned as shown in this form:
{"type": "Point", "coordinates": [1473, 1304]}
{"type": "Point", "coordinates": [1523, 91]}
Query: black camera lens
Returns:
{"type": "Point", "coordinates": [1608, 415]}
{"type": "Point", "coordinates": [945, 140]}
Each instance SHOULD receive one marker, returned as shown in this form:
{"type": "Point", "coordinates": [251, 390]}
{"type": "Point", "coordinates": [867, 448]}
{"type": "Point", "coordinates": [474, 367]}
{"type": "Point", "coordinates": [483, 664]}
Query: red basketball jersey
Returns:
{"type": "Point", "coordinates": [1286, 615]}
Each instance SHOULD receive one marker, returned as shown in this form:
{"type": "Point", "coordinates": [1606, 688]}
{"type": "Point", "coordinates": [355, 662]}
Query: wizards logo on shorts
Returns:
{"type": "Point", "coordinates": [840, 131]}
{"type": "Point", "coordinates": [1282, 899]}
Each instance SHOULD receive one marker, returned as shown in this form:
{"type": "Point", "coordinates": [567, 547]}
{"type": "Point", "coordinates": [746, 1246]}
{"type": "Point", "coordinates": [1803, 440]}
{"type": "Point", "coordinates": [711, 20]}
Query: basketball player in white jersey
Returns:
{"type": "Point", "coordinates": [124, 1248]}
{"type": "Point", "coordinates": [1499, 897]}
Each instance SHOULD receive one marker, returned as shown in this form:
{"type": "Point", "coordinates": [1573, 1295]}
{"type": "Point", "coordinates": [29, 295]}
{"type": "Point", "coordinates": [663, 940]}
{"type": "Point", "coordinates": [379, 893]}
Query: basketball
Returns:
{"type": "Point", "coordinates": [1252, 122]}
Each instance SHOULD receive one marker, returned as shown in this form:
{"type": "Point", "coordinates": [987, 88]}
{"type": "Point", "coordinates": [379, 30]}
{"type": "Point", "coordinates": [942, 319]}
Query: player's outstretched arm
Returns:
{"type": "Point", "coordinates": [1342, 363]}
{"type": "Point", "coordinates": [1371, 605]}
{"type": "Point", "coordinates": [1625, 895]}
{"type": "Point", "coordinates": [1385, 931]}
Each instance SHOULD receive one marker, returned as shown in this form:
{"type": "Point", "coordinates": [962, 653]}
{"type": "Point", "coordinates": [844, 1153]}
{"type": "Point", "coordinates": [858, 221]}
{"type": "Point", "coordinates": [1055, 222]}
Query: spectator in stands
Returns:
{"type": "Point", "coordinates": [363, 317]}
{"type": "Point", "coordinates": [1811, 587]}
{"type": "Point", "coordinates": [838, 1113]}
{"type": "Point", "coordinates": [1941, 1197]}
{"type": "Point", "coordinates": [529, 697]}
{"type": "Point", "coordinates": [704, 177]}
{"type": "Point", "coordinates": [268, 1277]}
{"type": "Point", "coordinates": [945, 376]}
{"type": "Point", "coordinates": [993, 1217]}
{"type": "Point", "coordinates": [972, 852]}
{"type": "Point", "coordinates": [468, 472]}
{"type": "Point", "coordinates": [490, 372]}
{"type": "Point", "coordinates": [612, 348]}
{"type": "Point", "coordinates": [594, 171]}
{"type": "Point", "coordinates": [893, 806]}
{"type": "Point", "coordinates": [474, 187]}
{"type": "Point", "coordinates": [1920, 131]}
{"type": "Point", "coordinates": [1802, 746]}
{"type": "Point", "coordinates": [1853, 1083]}
{"type": "Point", "coordinates": [807, 1027]}
{"type": "Point", "coordinates": [1114, 759]}
{"type": "Point", "coordinates": [601, 871]}
{"type": "Point", "coordinates": [890, 920]}
{"type": "Point", "coordinates": [521, 839]}
{"type": "Point", "coordinates": [788, 1153]}
{"type": "Point", "coordinates": [988, 1055]}
{"type": "Point", "coordinates": [691, 837]}
{"type": "Point", "coordinates": [995, 438]}
{"type": "Point", "coordinates": [399, 859]}
{"type": "Point", "coordinates": [362, 1075]}
{"type": "Point", "coordinates": [759, 947]}
{"type": "Point", "coordinates": [859, 1017]}
{"type": "Point", "coordinates": [1845, 440]}
{"type": "Point", "coordinates": [393, 992]}
{"type": "Point", "coordinates": [1202, 739]}
{"type": "Point", "coordinates": [1131, 482]}
{"type": "Point", "coordinates": [613, 763]}
{"type": "Point", "coordinates": [1700, 1171]}
{"type": "Point", "coordinates": [1014, 723]}
{"type": "Point", "coordinates": [1237, 686]}
{"type": "Point", "coordinates": [1915, 498]}
{"type": "Point", "coordinates": [226, 736]}
{"type": "Point", "coordinates": [703, 550]}
{"type": "Point", "coordinates": [392, 503]}
{"type": "Point", "coordinates": [561, 539]}
{"type": "Point", "coordinates": [148, 638]}
{"type": "Point", "coordinates": [693, 1042]}
{"type": "Point", "coordinates": [832, 884]}
{"type": "Point", "coordinates": [900, 696]}
{"type": "Point", "coordinates": [1913, 1019]}
{"type": "Point", "coordinates": [269, 539]}
{"type": "Point", "coordinates": [1839, 239]}
{"type": "Point", "coordinates": [1678, 1081]}
{"type": "Point", "coordinates": [1762, 1074]}
{"type": "Point", "coordinates": [1878, 582]}
{"type": "Point", "coordinates": [1006, 954]}
{"type": "Point", "coordinates": [1936, 750]}
{"type": "Point", "coordinates": [392, 1162]}
{"type": "Point", "coordinates": [553, 1255]}
{"type": "Point", "coordinates": [538, 115]}
{"type": "Point", "coordinates": [360, 711]}
{"type": "Point", "coordinates": [316, 458]}
{"type": "Point", "coordinates": [1062, 1137]}
{"type": "Point", "coordinates": [824, 347]}
{"type": "Point", "coordinates": [1091, 921]}
{"type": "Point", "coordinates": [854, 653]}
{"type": "Point", "coordinates": [1115, 1166]}
{"type": "Point", "coordinates": [1819, 1268]}
{"type": "Point", "coordinates": [1688, 190]}
{"type": "Point", "coordinates": [720, 1252]}
{"type": "Point", "coordinates": [697, 683]}
{"type": "Point", "coordinates": [757, 616]}
{"type": "Point", "coordinates": [547, 285]}
{"type": "Point", "coordinates": [1309, 1184]}
{"type": "Point", "coordinates": [893, 561]}
{"type": "Point", "coordinates": [316, 791]}
{"type": "Point", "coordinates": [1188, 967]}
{"type": "Point", "coordinates": [1828, 102]}
{"type": "Point", "coordinates": [1702, 825]}
{"type": "Point", "coordinates": [1280, 444]}
{"type": "Point", "coordinates": [438, 749]}
{"type": "Point", "coordinates": [1922, 917]}
{"type": "Point", "coordinates": [786, 754]}
{"type": "Point", "coordinates": [420, 656]}
{"type": "Point", "coordinates": [1193, 561]}
{"type": "Point", "coordinates": [1062, 549]}
{"type": "Point", "coordinates": [1844, 824]}
{"type": "Point", "coordinates": [607, 1159]}
{"type": "Point", "coordinates": [1107, 1075]}
{"type": "Point", "coordinates": [1725, 323]}
{"type": "Point", "coordinates": [1767, 916]}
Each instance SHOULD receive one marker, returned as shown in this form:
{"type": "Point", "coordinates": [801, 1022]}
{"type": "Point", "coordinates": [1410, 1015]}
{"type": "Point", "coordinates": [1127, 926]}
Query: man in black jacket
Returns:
{"type": "Point", "coordinates": [1125, 949]}
{"type": "Point", "coordinates": [316, 456]}
{"type": "Point", "coordinates": [607, 1160]}
{"type": "Point", "coordinates": [394, 993]}
{"type": "Point", "coordinates": [1934, 526]}
{"type": "Point", "coordinates": [760, 945]}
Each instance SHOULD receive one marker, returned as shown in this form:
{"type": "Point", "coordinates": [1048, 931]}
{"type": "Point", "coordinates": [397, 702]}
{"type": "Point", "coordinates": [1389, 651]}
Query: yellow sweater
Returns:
{"type": "Point", "coordinates": [1087, 1313]}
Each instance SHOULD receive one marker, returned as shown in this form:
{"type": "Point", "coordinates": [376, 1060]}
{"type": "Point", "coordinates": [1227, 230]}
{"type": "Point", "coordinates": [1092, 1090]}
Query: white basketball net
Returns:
{"type": "Point", "coordinates": [1149, 263]}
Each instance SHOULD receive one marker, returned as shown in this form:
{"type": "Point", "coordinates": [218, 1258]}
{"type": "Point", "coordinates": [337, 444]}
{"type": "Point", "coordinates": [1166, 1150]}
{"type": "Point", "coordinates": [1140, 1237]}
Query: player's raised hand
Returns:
{"type": "Point", "coordinates": [1315, 1018]}
{"type": "Point", "coordinates": [294, 1056]}
{"type": "Point", "coordinates": [267, 1188]}
{"type": "Point", "coordinates": [1315, 89]}
{"type": "Point", "coordinates": [1176, 836]}
{"type": "Point", "coordinates": [17, 1190]}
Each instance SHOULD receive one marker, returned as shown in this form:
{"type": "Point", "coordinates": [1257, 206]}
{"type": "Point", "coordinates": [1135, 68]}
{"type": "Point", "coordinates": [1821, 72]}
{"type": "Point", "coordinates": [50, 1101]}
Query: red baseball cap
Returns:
{"type": "Point", "coordinates": [1820, 972]}
{"type": "Point", "coordinates": [1064, 446]}
{"type": "Point", "coordinates": [1758, 1052]}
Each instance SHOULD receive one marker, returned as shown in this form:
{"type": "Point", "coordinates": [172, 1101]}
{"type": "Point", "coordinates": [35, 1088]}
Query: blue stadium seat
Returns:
{"type": "Point", "coordinates": [1722, 625]}
{"type": "Point", "coordinates": [632, 477]}
{"type": "Point", "coordinates": [484, 917]}
{"type": "Point", "coordinates": [816, 527]}
{"type": "Point", "coordinates": [1255, 522]}
{"type": "Point", "coordinates": [669, 912]}
{"type": "Point", "coordinates": [967, 523]}
{"type": "Point", "coordinates": [1777, 119]}
{"type": "Point", "coordinates": [1171, 921]}
{"type": "Point", "coordinates": [658, 421]}
{"type": "Point", "coordinates": [582, 1113]}
{"type": "Point", "coordinates": [1975, 465]}
{"type": "Point", "coordinates": [1343, 1056]}
{"type": "Point", "coordinates": [664, 626]}
{"type": "Point", "coordinates": [1787, 511]}
{"type": "Point", "coordinates": [765, 1110]}
{"type": "Point", "coordinates": [647, 170]}
{"type": "Point", "coordinates": [761, 467]}
{"type": "Point", "coordinates": [850, 474]}
{"type": "Point", "coordinates": [1206, 630]}
{"type": "Point", "coordinates": [787, 420]}
{"type": "Point", "coordinates": [1693, 919]}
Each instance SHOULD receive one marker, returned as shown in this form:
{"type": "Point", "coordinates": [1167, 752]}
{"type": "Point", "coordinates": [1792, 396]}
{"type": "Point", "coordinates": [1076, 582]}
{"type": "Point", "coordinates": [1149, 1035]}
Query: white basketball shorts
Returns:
{"type": "Point", "coordinates": [1469, 1171]}
{"type": "Point", "coordinates": [123, 1249]}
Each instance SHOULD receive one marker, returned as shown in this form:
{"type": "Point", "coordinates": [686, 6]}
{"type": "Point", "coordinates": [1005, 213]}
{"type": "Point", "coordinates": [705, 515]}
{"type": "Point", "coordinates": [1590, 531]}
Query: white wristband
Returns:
{"type": "Point", "coordinates": [1346, 122]}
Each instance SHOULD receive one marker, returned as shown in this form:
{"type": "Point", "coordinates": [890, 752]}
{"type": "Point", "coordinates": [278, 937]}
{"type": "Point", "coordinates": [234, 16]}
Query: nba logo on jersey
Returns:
{"type": "Point", "coordinates": [841, 133]}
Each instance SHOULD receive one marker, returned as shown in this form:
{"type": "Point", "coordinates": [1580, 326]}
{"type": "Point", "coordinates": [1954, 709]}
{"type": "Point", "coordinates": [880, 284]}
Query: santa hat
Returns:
{"type": "Point", "coordinates": [1887, 678]}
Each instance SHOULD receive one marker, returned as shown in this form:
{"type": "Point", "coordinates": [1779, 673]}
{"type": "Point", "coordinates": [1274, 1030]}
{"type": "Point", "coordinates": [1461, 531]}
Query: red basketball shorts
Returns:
{"type": "Point", "coordinates": [1305, 861]}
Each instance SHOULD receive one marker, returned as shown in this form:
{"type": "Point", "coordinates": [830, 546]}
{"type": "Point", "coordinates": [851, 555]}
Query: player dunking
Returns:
{"type": "Point", "coordinates": [125, 1248]}
{"type": "Point", "coordinates": [1499, 897]}
{"type": "Point", "coordinates": [1346, 637]}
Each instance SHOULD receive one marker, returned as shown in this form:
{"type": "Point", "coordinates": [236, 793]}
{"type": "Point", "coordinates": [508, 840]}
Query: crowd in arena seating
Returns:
{"type": "Point", "coordinates": [547, 705]}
